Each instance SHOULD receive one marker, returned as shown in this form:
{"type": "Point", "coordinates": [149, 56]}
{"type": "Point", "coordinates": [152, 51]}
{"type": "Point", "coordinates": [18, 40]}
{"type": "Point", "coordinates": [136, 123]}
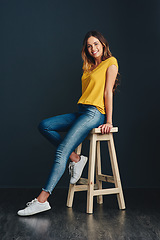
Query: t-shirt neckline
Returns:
{"type": "Point", "coordinates": [99, 65]}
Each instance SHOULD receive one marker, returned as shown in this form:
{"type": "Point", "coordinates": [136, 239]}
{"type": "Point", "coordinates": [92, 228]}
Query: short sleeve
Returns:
{"type": "Point", "coordinates": [113, 61]}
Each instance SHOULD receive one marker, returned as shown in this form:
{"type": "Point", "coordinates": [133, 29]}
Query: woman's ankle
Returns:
{"type": "Point", "coordinates": [74, 157]}
{"type": "Point", "coordinates": [77, 159]}
{"type": "Point", "coordinates": [43, 196]}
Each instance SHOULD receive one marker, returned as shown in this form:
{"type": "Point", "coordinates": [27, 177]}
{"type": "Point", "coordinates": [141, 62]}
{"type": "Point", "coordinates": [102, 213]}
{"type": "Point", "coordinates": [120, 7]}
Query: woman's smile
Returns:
{"type": "Point", "coordinates": [95, 52]}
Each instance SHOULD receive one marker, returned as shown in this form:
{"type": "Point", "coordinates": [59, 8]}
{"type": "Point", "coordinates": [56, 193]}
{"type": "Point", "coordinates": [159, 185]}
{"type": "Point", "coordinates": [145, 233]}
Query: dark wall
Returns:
{"type": "Point", "coordinates": [41, 71]}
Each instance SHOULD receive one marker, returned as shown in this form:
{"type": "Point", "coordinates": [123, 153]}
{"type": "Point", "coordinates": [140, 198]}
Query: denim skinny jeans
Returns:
{"type": "Point", "coordinates": [78, 125]}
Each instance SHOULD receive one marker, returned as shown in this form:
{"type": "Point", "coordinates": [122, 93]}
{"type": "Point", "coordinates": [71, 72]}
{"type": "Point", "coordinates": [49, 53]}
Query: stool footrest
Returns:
{"type": "Point", "coordinates": [80, 188]}
{"type": "Point", "coordinates": [106, 178]}
{"type": "Point", "coordinates": [84, 187]}
{"type": "Point", "coordinates": [106, 191]}
{"type": "Point", "coordinates": [83, 181]}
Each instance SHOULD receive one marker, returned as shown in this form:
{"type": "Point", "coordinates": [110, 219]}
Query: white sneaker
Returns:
{"type": "Point", "coordinates": [34, 207]}
{"type": "Point", "coordinates": [75, 169]}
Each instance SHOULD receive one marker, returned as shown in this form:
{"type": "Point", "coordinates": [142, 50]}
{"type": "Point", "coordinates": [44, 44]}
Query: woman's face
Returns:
{"type": "Point", "coordinates": [95, 47]}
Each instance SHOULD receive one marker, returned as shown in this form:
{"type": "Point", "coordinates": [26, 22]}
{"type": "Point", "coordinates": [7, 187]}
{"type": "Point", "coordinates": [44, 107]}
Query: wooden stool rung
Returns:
{"type": "Point", "coordinates": [106, 191]}
{"type": "Point", "coordinates": [84, 187]}
{"type": "Point", "coordinates": [80, 188]}
{"type": "Point", "coordinates": [106, 178]}
{"type": "Point", "coordinates": [83, 181]}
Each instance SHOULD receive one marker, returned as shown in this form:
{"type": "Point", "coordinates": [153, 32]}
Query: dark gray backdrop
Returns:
{"type": "Point", "coordinates": [41, 77]}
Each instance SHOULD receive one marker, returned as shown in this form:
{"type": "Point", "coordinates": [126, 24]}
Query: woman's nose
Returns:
{"type": "Point", "coordinates": [93, 48]}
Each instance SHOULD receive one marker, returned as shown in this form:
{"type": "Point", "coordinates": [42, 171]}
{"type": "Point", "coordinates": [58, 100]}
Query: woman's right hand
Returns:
{"type": "Point", "coordinates": [105, 128]}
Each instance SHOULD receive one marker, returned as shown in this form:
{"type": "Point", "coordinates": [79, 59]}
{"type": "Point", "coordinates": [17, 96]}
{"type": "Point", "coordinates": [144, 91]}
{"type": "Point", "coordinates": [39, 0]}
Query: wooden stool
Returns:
{"type": "Point", "coordinates": [95, 136]}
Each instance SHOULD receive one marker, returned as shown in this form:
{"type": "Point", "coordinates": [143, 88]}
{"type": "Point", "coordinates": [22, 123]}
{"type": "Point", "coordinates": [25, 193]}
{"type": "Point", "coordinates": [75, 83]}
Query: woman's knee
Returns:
{"type": "Point", "coordinates": [42, 126]}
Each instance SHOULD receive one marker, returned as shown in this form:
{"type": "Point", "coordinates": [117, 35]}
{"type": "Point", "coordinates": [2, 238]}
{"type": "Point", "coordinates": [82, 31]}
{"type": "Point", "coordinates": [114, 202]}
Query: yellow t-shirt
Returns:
{"type": "Point", "coordinates": [93, 85]}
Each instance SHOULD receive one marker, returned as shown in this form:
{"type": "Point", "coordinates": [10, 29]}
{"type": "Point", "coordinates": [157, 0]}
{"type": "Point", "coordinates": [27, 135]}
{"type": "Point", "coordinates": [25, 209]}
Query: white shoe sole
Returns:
{"type": "Point", "coordinates": [30, 214]}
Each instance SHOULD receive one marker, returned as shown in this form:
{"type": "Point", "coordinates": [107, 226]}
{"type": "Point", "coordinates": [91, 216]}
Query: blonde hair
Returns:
{"type": "Point", "coordinates": [88, 60]}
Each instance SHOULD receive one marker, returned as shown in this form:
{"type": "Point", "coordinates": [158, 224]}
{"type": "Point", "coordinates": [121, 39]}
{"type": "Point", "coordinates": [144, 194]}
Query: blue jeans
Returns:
{"type": "Point", "coordinates": [78, 125]}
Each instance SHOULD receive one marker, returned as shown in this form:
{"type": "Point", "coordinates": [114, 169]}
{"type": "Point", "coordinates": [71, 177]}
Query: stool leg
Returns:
{"type": "Point", "coordinates": [70, 195]}
{"type": "Point", "coordinates": [98, 172]}
{"type": "Point", "coordinates": [115, 170]}
{"type": "Point", "coordinates": [71, 186]}
{"type": "Point", "coordinates": [91, 168]}
{"type": "Point", "coordinates": [78, 149]}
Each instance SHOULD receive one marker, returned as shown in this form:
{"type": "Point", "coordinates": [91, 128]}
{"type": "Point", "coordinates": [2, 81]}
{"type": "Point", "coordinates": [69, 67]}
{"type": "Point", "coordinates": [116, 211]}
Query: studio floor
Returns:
{"type": "Point", "coordinates": [140, 220]}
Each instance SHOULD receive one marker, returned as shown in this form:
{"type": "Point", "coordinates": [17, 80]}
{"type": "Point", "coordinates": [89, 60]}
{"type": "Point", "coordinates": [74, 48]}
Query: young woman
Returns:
{"type": "Point", "coordinates": [99, 81]}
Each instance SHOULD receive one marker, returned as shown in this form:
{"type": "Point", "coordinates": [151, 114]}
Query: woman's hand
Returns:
{"type": "Point", "coordinates": [106, 128]}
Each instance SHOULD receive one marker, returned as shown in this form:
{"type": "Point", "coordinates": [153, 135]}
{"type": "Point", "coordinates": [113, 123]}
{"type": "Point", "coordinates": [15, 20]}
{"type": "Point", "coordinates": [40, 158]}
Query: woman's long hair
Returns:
{"type": "Point", "coordinates": [88, 60]}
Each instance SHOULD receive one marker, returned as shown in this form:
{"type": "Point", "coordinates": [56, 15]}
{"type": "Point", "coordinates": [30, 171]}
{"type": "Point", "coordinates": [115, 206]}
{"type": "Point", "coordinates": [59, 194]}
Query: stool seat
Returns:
{"type": "Point", "coordinates": [95, 189]}
{"type": "Point", "coordinates": [98, 130]}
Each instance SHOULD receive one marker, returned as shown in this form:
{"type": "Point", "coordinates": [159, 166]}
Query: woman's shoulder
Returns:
{"type": "Point", "coordinates": [111, 61]}
{"type": "Point", "coordinates": [112, 58]}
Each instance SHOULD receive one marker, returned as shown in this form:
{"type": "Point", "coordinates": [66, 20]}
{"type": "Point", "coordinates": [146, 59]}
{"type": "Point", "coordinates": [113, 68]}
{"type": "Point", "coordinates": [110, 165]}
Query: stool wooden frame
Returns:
{"type": "Point", "coordinates": [95, 136]}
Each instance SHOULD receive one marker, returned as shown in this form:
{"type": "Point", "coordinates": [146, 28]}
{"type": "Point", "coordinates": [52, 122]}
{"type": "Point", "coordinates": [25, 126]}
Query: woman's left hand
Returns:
{"type": "Point", "coordinates": [106, 128]}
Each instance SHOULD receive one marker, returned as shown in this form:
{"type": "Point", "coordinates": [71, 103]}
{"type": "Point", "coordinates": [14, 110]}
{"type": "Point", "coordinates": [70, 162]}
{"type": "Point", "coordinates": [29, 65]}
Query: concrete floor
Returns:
{"type": "Point", "coordinates": [140, 220]}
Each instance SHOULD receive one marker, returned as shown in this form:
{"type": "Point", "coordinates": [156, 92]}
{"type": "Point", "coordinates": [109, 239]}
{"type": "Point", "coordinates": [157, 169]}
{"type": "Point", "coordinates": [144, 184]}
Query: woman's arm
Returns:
{"type": "Point", "coordinates": [108, 97]}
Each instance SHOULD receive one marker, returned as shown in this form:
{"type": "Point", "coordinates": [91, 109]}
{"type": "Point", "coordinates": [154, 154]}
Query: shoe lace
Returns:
{"type": "Point", "coordinates": [71, 169]}
{"type": "Point", "coordinates": [30, 203]}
